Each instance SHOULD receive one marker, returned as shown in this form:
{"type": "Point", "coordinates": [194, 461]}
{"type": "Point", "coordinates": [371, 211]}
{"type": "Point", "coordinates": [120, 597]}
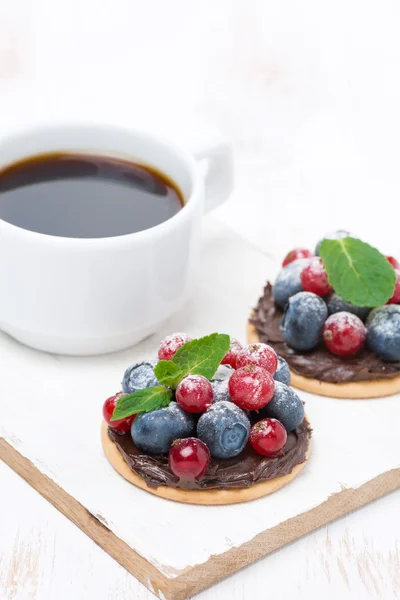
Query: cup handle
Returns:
{"type": "Point", "coordinates": [216, 152]}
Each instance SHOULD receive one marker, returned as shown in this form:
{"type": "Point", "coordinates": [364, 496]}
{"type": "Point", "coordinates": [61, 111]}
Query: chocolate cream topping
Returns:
{"type": "Point", "coordinates": [318, 363]}
{"type": "Point", "coordinates": [240, 472]}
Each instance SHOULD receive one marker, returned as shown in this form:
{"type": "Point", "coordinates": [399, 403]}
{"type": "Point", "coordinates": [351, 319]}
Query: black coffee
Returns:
{"type": "Point", "coordinates": [85, 196]}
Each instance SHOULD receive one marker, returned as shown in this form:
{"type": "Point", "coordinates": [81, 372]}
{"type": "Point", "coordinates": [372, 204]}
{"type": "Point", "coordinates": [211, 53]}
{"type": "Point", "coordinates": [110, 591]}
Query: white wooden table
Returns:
{"type": "Point", "coordinates": [309, 94]}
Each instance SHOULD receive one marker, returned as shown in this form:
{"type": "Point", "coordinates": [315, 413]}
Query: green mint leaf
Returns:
{"type": "Point", "coordinates": [359, 273]}
{"type": "Point", "coordinates": [202, 356]}
{"type": "Point", "coordinates": [146, 400]}
{"type": "Point", "coordinates": [167, 373]}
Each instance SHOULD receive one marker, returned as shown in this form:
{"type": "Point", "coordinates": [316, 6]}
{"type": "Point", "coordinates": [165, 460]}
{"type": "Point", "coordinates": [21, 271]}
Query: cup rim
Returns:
{"type": "Point", "coordinates": [154, 232]}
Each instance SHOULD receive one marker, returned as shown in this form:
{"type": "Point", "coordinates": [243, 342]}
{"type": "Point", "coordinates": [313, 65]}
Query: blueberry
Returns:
{"type": "Point", "coordinates": [223, 373]}
{"type": "Point", "coordinates": [225, 429]}
{"type": "Point", "coordinates": [154, 432]}
{"type": "Point", "coordinates": [383, 331]}
{"type": "Point", "coordinates": [282, 373]}
{"type": "Point", "coordinates": [288, 282]}
{"type": "Point", "coordinates": [139, 376]}
{"type": "Point", "coordinates": [220, 383]}
{"type": "Point", "coordinates": [336, 304]}
{"type": "Point", "coordinates": [333, 235]}
{"type": "Point", "coordinates": [285, 406]}
{"type": "Point", "coordinates": [303, 320]}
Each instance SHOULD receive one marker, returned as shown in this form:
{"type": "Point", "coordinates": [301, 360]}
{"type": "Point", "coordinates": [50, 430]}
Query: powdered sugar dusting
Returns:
{"type": "Point", "coordinates": [251, 387]}
{"type": "Point", "coordinates": [385, 320]}
{"type": "Point", "coordinates": [219, 410]}
{"type": "Point", "coordinates": [311, 304]}
{"type": "Point", "coordinates": [333, 235]}
{"type": "Point", "coordinates": [345, 319]}
{"type": "Point", "coordinates": [225, 429]}
{"type": "Point", "coordinates": [222, 373]}
{"type": "Point", "coordinates": [288, 281]}
{"type": "Point", "coordinates": [231, 356]}
{"type": "Point", "coordinates": [139, 376]}
{"type": "Point", "coordinates": [291, 273]}
{"type": "Point", "coordinates": [180, 414]}
{"type": "Point", "coordinates": [171, 344]}
{"type": "Point", "coordinates": [259, 354]}
{"type": "Point", "coordinates": [191, 382]}
{"type": "Point", "coordinates": [285, 406]}
{"type": "Point", "coordinates": [309, 300]}
{"type": "Point", "coordinates": [295, 267]}
{"type": "Point", "coordinates": [257, 350]}
{"type": "Point", "coordinates": [220, 383]}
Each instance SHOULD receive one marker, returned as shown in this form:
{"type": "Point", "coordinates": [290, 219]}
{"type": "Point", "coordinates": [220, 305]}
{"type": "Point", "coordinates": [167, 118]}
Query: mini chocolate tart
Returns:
{"type": "Point", "coordinates": [319, 371]}
{"type": "Point", "coordinates": [227, 481]}
{"type": "Point", "coordinates": [189, 426]}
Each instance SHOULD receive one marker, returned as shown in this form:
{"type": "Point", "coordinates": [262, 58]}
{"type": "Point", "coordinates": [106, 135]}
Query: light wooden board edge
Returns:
{"type": "Point", "coordinates": [192, 580]}
{"type": "Point", "coordinates": [143, 570]}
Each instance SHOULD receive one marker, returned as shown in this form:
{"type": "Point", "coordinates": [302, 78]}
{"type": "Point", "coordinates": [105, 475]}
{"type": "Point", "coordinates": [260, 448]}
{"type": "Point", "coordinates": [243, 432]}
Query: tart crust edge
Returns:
{"type": "Point", "coordinates": [199, 497]}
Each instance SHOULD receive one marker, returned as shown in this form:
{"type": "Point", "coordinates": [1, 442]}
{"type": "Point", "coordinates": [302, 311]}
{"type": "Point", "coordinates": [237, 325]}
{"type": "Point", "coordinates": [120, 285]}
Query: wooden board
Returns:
{"type": "Point", "coordinates": [51, 412]}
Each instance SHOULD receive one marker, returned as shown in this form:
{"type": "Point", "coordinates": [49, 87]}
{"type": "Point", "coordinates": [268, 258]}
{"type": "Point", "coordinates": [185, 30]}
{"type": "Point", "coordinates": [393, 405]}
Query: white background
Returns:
{"type": "Point", "coordinates": [309, 93]}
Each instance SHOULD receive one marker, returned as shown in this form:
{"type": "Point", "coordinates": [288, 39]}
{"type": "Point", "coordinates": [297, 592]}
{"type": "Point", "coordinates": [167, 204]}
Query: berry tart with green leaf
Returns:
{"type": "Point", "coordinates": [334, 316]}
{"type": "Point", "coordinates": [209, 422]}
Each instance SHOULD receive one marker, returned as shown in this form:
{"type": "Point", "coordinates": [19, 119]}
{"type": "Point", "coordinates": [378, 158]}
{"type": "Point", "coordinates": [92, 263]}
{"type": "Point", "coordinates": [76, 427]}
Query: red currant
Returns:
{"type": "Point", "coordinates": [344, 333]}
{"type": "Point", "coordinates": [232, 354]}
{"type": "Point", "coordinates": [395, 299]}
{"type": "Point", "coordinates": [194, 394]}
{"type": "Point", "coordinates": [260, 355]}
{"type": "Point", "coordinates": [121, 425]}
{"type": "Point", "coordinates": [268, 437]}
{"type": "Point", "coordinates": [188, 459]}
{"type": "Point", "coordinates": [314, 278]}
{"type": "Point", "coordinates": [295, 255]}
{"type": "Point", "coordinates": [251, 387]}
{"type": "Point", "coordinates": [171, 344]}
{"type": "Point", "coordinates": [394, 262]}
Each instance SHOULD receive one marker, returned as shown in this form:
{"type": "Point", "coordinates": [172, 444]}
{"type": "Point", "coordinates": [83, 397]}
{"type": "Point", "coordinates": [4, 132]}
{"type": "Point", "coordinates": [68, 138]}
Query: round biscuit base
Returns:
{"type": "Point", "coordinates": [200, 497]}
{"type": "Point", "coordinates": [353, 390]}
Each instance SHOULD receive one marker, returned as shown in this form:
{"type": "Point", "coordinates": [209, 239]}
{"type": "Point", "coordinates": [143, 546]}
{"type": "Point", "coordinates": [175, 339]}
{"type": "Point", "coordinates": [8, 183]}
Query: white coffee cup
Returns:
{"type": "Point", "coordinates": [92, 296]}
